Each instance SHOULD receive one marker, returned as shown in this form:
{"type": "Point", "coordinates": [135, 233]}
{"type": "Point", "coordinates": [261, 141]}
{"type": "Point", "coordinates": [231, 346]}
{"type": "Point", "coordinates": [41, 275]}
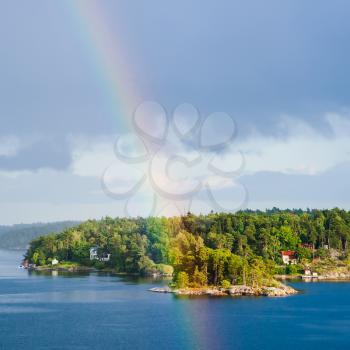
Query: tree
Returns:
{"type": "Point", "coordinates": [182, 280]}
{"type": "Point", "coordinates": [199, 278]}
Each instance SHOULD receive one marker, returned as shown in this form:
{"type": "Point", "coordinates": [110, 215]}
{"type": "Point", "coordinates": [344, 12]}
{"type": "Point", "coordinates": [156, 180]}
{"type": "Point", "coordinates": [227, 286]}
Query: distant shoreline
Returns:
{"type": "Point", "coordinates": [299, 277]}
{"type": "Point", "coordinates": [326, 277]}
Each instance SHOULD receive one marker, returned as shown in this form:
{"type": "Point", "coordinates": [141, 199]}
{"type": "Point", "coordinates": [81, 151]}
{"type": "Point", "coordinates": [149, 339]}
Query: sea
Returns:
{"type": "Point", "coordinates": [96, 311]}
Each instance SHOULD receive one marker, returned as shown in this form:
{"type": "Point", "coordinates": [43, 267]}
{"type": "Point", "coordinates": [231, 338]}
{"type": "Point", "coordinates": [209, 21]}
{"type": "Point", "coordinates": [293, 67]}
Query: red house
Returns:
{"type": "Point", "coordinates": [289, 257]}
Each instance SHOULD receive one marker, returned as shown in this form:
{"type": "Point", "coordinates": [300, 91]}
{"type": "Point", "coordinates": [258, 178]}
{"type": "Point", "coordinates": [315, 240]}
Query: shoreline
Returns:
{"type": "Point", "coordinates": [298, 277]}
{"type": "Point", "coordinates": [325, 277]}
{"type": "Point", "coordinates": [92, 269]}
{"type": "Point", "coordinates": [63, 269]}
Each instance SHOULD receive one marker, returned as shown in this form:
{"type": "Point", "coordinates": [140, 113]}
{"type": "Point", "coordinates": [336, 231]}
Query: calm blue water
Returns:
{"type": "Point", "coordinates": [108, 312]}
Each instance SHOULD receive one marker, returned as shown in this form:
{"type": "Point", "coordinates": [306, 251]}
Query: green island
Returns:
{"type": "Point", "coordinates": [243, 253]}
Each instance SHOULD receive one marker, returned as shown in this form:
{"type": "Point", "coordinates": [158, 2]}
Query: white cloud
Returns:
{"type": "Point", "coordinates": [91, 156]}
{"type": "Point", "coordinates": [302, 150]}
{"type": "Point", "coordinates": [9, 146]}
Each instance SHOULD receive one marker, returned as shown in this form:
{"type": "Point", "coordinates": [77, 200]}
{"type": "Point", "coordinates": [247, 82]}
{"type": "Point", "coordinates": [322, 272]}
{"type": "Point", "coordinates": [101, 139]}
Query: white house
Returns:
{"type": "Point", "coordinates": [94, 255]}
{"type": "Point", "coordinates": [54, 261]}
{"type": "Point", "coordinates": [105, 257]}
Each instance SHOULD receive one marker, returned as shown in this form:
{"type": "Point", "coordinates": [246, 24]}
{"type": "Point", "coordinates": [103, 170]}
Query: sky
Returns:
{"type": "Point", "coordinates": [152, 108]}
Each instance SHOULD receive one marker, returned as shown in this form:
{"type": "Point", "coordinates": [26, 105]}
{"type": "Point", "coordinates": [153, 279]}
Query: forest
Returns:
{"type": "Point", "coordinates": [214, 249]}
{"type": "Point", "coordinates": [19, 236]}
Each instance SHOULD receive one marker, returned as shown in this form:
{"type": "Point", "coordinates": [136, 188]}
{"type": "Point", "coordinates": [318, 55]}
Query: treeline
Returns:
{"type": "Point", "coordinates": [218, 248]}
{"type": "Point", "coordinates": [19, 236]}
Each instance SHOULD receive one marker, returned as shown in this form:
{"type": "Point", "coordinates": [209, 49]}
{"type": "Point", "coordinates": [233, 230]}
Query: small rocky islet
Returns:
{"type": "Point", "coordinates": [281, 290]}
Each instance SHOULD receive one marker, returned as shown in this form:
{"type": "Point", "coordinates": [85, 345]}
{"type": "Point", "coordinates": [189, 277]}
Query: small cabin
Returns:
{"type": "Point", "coordinates": [105, 257]}
{"type": "Point", "coordinates": [93, 253]}
{"type": "Point", "coordinates": [54, 262]}
{"type": "Point", "coordinates": [95, 256]}
{"type": "Point", "coordinates": [289, 257]}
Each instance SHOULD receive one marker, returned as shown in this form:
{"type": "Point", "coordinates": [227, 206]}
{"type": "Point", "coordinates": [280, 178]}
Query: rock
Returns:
{"type": "Point", "coordinates": [200, 291]}
{"type": "Point", "coordinates": [280, 290]}
{"type": "Point", "coordinates": [242, 290]}
{"type": "Point", "coordinates": [161, 290]}
{"type": "Point", "coordinates": [215, 292]}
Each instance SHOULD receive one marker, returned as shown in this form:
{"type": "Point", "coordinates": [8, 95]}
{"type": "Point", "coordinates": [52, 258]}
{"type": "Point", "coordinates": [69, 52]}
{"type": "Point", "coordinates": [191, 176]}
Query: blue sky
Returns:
{"type": "Point", "coordinates": [280, 69]}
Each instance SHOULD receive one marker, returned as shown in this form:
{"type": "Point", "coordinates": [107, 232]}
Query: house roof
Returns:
{"type": "Point", "coordinates": [290, 253]}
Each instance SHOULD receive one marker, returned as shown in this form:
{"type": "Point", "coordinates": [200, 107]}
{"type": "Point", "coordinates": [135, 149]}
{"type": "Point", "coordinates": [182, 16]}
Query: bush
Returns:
{"type": "Point", "coordinates": [165, 270]}
{"type": "Point", "coordinates": [225, 284]}
{"type": "Point", "coordinates": [199, 278]}
{"type": "Point", "coordinates": [146, 266]}
{"type": "Point", "coordinates": [304, 253]}
{"type": "Point", "coordinates": [293, 269]}
{"type": "Point", "coordinates": [99, 265]}
{"type": "Point", "coordinates": [322, 253]}
{"type": "Point", "coordinates": [182, 280]}
{"type": "Point", "coordinates": [280, 270]}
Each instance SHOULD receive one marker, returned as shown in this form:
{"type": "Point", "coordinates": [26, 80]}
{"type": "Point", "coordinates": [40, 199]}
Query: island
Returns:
{"type": "Point", "coordinates": [243, 253]}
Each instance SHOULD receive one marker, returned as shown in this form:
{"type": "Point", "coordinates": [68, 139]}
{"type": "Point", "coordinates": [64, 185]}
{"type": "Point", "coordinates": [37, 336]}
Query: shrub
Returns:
{"type": "Point", "coordinates": [280, 270]}
{"type": "Point", "coordinates": [225, 284]}
{"type": "Point", "coordinates": [292, 269]}
{"type": "Point", "coordinates": [182, 280]}
{"type": "Point", "coordinates": [165, 270]}
{"type": "Point", "coordinates": [99, 265]}
{"type": "Point", "coordinates": [322, 253]}
{"type": "Point", "coordinates": [199, 278]}
{"type": "Point", "coordinates": [304, 253]}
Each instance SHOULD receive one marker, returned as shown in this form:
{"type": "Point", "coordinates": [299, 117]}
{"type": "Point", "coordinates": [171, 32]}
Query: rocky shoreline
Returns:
{"type": "Point", "coordinates": [330, 276]}
{"type": "Point", "coordinates": [237, 290]}
{"type": "Point", "coordinates": [334, 276]}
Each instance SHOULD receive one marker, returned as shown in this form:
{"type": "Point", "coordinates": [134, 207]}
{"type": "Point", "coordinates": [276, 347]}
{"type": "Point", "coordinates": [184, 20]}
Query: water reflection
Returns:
{"type": "Point", "coordinates": [101, 310]}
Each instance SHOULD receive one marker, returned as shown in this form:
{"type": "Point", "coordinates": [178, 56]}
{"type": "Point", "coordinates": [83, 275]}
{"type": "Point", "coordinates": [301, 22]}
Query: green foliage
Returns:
{"type": "Point", "coordinates": [322, 253]}
{"type": "Point", "coordinates": [293, 269]}
{"type": "Point", "coordinates": [165, 270]}
{"type": "Point", "coordinates": [225, 284]}
{"type": "Point", "coordinates": [304, 253]}
{"type": "Point", "coordinates": [199, 278]}
{"type": "Point", "coordinates": [242, 248]}
{"type": "Point", "coordinates": [182, 280]}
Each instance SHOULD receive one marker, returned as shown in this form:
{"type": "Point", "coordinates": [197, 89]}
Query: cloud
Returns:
{"type": "Point", "coordinates": [9, 146]}
{"type": "Point", "coordinates": [90, 156]}
{"type": "Point", "coordinates": [287, 169]}
{"type": "Point", "coordinates": [301, 149]}
{"type": "Point", "coordinates": [298, 149]}
{"type": "Point", "coordinates": [34, 153]}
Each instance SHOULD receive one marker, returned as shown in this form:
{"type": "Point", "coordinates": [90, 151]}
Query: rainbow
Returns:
{"type": "Point", "coordinates": [111, 63]}
{"type": "Point", "coordinates": [110, 59]}
{"type": "Point", "coordinates": [113, 69]}
{"type": "Point", "coordinates": [119, 86]}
